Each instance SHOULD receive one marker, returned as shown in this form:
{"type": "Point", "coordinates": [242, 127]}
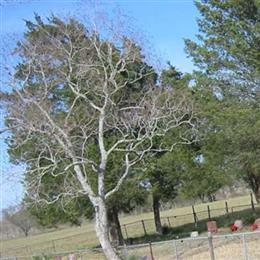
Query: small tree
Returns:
{"type": "Point", "coordinates": [73, 87]}
{"type": "Point", "coordinates": [163, 175]}
{"type": "Point", "coordinates": [239, 142]}
{"type": "Point", "coordinates": [19, 217]}
{"type": "Point", "coordinates": [165, 169]}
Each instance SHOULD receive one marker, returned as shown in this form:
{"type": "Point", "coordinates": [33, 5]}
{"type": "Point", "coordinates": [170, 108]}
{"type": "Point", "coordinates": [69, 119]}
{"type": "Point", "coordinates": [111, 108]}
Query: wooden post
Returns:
{"type": "Point", "coordinates": [176, 250]}
{"type": "Point", "coordinates": [125, 251]}
{"type": "Point", "coordinates": [151, 251]}
{"type": "Point", "coordinates": [252, 201]}
{"type": "Point", "coordinates": [211, 248]}
{"type": "Point", "coordinates": [53, 246]}
{"type": "Point", "coordinates": [145, 233]}
{"type": "Point", "coordinates": [194, 216]}
{"type": "Point", "coordinates": [245, 252]}
{"type": "Point", "coordinates": [169, 223]}
{"type": "Point", "coordinates": [126, 231]}
{"type": "Point", "coordinates": [28, 250]}
{"type": "Point", "coordinates": [226, 206]}
{"type": "Point", "coordinates": [209, 216]}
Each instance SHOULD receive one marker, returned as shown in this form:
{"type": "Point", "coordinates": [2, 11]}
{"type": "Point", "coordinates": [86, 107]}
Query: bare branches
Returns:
{"type": "Point", "coordinates": [78, 100]}
{"type": "Point", "coordinates": [19, 217]}
{"type": "Point", "coordinates": [122, 178]}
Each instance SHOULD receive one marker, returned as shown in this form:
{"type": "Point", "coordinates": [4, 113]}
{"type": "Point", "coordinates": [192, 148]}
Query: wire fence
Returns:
{"type": "Point", "coordinates": [143, 227]}
{"type": "Point", "coordinates": [239, 246]}
{"type": "Point", "coordinates": [146, 226]}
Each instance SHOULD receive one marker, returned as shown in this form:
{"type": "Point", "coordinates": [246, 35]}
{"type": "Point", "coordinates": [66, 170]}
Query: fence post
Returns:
{"type": "Point", "coordinates": [194, 216]}
{"type": "Point", "coordinates": [252, 201]}
{"type": "Point", "coordinates": [245, 252]}
{"type": "Point", "coordinates": [53, 246]}
{"type": "Point", "coordinates": [145, 233]}
{"type": "Point", "coordinates": [28, 250]}
{"type": "Point", "coordinates": [226, 206]}
{"type": "Point", "coordinates": [151, 251]}
{"type": "Point", "coordinates": [209, 217]}
{"type": "Point", "coordinates": [125, 251]}
{"type": "Point", "coordinates": [211, 248]}
{"type": "Point", "coordinates": [176, 250]}
{"type": "Point", "coordinates": [169, 223]}
{"type": "Point", "coordinates": [126, 231]}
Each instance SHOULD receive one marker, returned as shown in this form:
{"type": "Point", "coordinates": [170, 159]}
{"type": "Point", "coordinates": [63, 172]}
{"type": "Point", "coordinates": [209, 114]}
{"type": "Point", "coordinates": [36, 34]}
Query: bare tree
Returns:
{"type": "Point", "coordinates": [7, 230]}
{"type": "Point", "coordinates": [78, 97]}
{"type": "Point", "coordinates": [19, 217]}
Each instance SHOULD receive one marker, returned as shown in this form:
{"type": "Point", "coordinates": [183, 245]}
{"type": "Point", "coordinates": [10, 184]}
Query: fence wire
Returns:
{"type": "Point", "coordinates": [238, 246]}
{"type": "Point", "coordinates": [133, 231]}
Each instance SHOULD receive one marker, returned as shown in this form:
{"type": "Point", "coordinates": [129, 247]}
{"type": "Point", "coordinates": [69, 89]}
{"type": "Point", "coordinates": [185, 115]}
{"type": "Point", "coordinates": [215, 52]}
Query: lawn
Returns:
{"type": "Point", "coordinates": [74, 238]}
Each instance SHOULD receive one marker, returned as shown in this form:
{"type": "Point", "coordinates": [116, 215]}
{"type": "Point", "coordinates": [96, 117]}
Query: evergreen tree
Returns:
{"type": "Point", "coordinates": [228, 52]}
{"type": "Point", "coordinates": [165, 170]}
{"type": "Point", "coordinates": [228, 47]}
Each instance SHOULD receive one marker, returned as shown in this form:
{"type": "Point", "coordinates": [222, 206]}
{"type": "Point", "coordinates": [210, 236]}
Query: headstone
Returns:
{"type": "Point", "coordinates": [254, 227]}
{"type": "Point", "coordinates": [257, 223]}
{"type": "Point", "coordinates": [72, 257]}
{"type": "Point", "coordinates": [212, 226]}
{"type": "Point", "coordinates": [194, 234]}
{"type": "Point", "coordinates": [239, 224]}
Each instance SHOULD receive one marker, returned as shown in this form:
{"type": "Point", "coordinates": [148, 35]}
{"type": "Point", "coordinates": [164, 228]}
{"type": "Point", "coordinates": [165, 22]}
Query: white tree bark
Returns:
{"type": "Point", "coordinates": [102, 230]}
{"type": "Point", "coordinates": [62, 139]}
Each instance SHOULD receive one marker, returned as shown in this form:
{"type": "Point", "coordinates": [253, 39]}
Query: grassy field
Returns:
{"type": "Point", "coordinates": [84, 237]}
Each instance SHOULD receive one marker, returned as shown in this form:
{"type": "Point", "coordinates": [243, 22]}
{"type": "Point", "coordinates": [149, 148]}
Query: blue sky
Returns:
{"type": "Point", "coordinates": [164, 22]}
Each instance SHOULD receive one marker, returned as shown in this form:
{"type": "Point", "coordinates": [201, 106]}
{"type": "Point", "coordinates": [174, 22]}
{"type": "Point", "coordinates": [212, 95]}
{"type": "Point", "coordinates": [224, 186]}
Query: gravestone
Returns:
{"type": "Point", "coordinates": [212, 226]}
{"type": "Point", "coordinates": [239, 224]}
{"type": "Point", "coordinates": [72, 257]}
{"type": "Point", "coordinates": [257, 223]}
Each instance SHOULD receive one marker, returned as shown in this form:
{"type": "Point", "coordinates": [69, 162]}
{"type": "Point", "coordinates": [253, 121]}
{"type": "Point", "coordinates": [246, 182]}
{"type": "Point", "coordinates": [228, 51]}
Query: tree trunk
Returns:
{"type": "Point", "coordinates": [115, 231]}
{"type": "Point", "coordinates": [257, 196]}
{"type": "Point", "coordinates": [211, 197]}
{"type": "Point", "coordinates": [25, 230]}
{"type": "Point", "coordinates": [254, 182]}
{"type": "Point", "coordinates": [102, 231]}
{"type": "Point", "coordinates": [202, 198]}
{"type": "Point", "coordinates": [156, 212]}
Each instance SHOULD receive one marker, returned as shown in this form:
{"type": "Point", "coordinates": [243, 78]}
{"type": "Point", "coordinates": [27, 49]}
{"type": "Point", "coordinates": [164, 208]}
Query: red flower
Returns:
{"type": "Point", "coordinates": [254, 227]}
{"type": "Point", "coordinates": [233, 227]}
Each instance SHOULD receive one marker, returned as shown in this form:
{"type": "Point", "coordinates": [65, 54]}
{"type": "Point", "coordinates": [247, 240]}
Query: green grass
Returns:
{"type": "Point", "coordinates": [74, 238]}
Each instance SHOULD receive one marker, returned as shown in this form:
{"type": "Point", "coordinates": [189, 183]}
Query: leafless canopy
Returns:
{"type": "Point", "coordinates": [78, 98]}
{"type": "Point", "coordinates": [19, 217]}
